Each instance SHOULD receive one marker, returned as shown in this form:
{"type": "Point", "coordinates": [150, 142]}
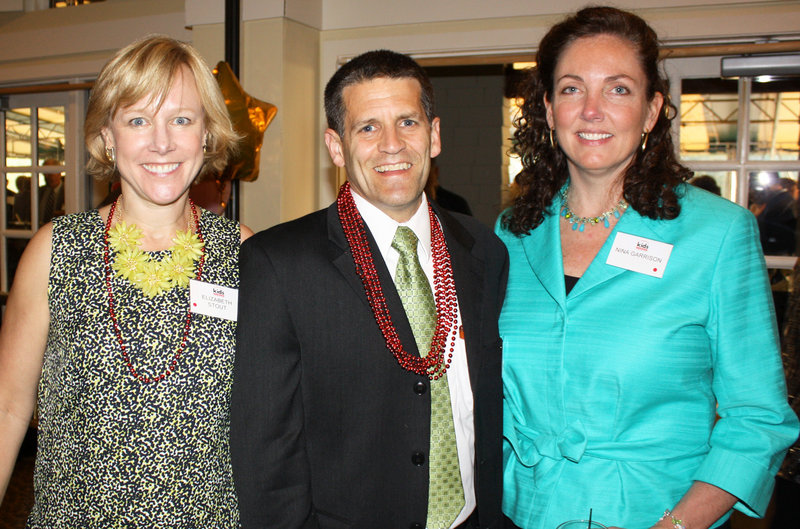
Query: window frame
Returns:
{"type": "Point", "coordinates": [78, 189]}
{"type": "Point", "coordinates": [682, 68]}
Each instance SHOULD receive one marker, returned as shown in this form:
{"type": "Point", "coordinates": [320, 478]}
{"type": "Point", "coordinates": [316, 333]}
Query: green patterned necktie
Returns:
{"type": "Point", "coordinates": [445, 491]}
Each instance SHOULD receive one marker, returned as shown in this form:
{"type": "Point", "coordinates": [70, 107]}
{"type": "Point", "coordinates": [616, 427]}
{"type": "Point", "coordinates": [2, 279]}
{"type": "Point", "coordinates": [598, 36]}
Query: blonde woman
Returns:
{"type": "Point", "coordinates": [133, 379]}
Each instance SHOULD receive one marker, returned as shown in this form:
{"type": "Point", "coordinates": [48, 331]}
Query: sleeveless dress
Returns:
{"type": "Point", "coordinates": [113, 451]}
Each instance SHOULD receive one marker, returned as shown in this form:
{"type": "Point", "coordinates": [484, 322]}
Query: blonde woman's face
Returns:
{"type": "Point", "coordinates": [159, 149]}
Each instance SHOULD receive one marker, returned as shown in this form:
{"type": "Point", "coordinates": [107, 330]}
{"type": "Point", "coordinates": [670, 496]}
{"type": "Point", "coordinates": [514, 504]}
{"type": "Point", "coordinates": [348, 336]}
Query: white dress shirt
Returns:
{"type": "Point", "coordinates": [383, 229]}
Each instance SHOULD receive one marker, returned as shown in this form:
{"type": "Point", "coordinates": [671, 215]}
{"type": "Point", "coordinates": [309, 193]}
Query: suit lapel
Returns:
{"type": "Point", "coordinates": [599, 272]}
{"type": "Point", "coordinates": [468, 274]}
{"type": "Point", "coordinates": [542, 249]}
{"type": "Point", "coordinates": [342, 259]}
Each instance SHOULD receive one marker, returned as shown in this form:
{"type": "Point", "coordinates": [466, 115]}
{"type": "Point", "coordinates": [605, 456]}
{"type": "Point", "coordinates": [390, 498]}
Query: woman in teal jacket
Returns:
{"type": "Point", "coordinates": [637, 308]}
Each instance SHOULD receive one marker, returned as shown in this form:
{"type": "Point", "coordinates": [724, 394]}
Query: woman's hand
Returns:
{"type": "Point", "coordinates": [701, 506]}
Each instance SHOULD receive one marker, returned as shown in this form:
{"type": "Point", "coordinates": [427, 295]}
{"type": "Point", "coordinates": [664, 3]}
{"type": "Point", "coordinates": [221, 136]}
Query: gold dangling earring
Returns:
{"type": "Point", "coordinates": [645, 135]}
{"type": "Point", "coordinates": [111, 155]}
{"type": "Point", "coordinates": [205, 144]}
{"type": "Point", "coordinates": [552, 140]}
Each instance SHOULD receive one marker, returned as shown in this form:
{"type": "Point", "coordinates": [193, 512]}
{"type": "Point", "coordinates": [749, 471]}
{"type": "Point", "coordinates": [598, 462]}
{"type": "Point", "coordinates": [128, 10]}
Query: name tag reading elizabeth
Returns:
{"type": "Point", "coordinates": [639, 254]}
{"type": "Point", "coordinates": [213, 300]}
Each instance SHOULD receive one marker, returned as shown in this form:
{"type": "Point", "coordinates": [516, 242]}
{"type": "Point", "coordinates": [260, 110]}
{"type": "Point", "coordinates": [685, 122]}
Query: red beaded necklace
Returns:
{"type": "Point", "coordinates": [434, 364]}
{"type": "Point", "coordinates": [171, 365]}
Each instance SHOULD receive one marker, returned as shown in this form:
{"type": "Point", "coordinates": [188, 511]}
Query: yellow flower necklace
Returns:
{"type": "Point", "coordinates": [152, 277]}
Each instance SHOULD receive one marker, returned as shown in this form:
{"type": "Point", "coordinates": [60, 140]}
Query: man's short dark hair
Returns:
{"type": "Point", "coordinates": [366, 67]}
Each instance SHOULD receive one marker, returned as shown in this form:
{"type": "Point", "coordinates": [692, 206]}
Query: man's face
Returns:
{"type": "Point", "coordinates": [53, 179]}
{"type": "Point", "coordinates": [387, 144]}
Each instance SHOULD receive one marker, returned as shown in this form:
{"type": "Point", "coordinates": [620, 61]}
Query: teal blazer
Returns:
{"type": "Point", "coordinates": [611, 393]}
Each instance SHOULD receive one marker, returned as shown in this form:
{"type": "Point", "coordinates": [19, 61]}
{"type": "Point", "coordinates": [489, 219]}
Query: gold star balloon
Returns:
{"type": "Point", "coordinates": [250, 117]}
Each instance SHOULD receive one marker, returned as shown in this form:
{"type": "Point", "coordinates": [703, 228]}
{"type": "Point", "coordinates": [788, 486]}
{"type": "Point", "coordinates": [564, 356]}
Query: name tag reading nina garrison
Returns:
{"type": "Point", "coordinates": [213, 300]}
{"type": "Point", "coordinates": [638, 254]}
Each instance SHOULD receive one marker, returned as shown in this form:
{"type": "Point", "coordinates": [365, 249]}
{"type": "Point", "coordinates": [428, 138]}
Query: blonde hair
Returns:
{"type": "Point", "coordinates": [147, 68]}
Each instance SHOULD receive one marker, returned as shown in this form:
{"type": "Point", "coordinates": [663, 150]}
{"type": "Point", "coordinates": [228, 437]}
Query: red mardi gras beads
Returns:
{"type": "Point", "coordinates": [434, 364]}
{"type": "Point", "coordinates": [172, 364]}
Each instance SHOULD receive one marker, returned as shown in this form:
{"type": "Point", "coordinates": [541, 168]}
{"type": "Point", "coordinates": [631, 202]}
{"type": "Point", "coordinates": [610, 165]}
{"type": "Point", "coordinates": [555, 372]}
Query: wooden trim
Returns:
{"type": "Point", "coordinates": [667, 52]}
{"type": "Point", "coordinates": [679, 52]}
{"type": "Point", "coordinates": [44, 88]}
{"type": "Point", "coordinates": [476, 60]}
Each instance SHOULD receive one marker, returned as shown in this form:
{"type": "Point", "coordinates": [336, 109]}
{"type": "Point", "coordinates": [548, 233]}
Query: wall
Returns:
{"type": "Point", "coordinates": [464, 33]}
{"type": "Point", "coordinates": [471, 162]}
{"type": "Point", "coordinates": [279, 64]}
{"type": "Point", "coordinates": [342, 14]}
{"type": "Point", "coordinates": [61, 44]}
{"type": "Point", "coordinates": [423, 28]}
{"type": "Point", "coordinates": [292, 47]}
{"type": "Point", "coordinates": [72, 45]}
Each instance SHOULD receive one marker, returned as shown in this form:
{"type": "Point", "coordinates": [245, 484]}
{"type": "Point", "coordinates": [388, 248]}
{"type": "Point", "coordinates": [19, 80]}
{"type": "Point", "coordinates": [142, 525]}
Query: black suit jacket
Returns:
{"type": "Point", "coordinates": [325, 424]}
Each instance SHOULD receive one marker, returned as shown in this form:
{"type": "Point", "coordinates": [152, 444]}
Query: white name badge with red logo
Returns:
{"type": "Point", "coordinates": [213, 300]}
{"type": "Point", "coordinates": [639, 254]}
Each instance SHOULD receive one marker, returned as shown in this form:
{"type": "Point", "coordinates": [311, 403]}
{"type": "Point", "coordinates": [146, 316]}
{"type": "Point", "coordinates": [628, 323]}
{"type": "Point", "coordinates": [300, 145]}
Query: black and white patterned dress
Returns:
{"type": "Point", "coordinates": [113, 451]}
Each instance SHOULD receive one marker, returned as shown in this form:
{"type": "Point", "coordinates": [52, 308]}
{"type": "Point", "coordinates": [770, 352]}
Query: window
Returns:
{"type": "Point", "coordinates": [745, 134]}
{"type": "Point", "coordinates": [40, 151]}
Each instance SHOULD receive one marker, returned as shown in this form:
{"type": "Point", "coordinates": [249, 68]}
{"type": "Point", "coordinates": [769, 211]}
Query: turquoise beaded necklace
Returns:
{"type": "Point", "coordinates": [579, 223]}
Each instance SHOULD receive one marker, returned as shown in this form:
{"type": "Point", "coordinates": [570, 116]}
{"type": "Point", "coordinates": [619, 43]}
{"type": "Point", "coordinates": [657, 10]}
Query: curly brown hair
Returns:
{"type": "Point", "coordinates": [651, 180]}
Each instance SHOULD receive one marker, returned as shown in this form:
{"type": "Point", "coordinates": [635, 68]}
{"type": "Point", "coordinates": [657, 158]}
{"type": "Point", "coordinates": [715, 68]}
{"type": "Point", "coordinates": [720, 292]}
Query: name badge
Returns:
{"type": "Point", "coordinates": [639, 254]}
{"type": "Point", "coordinates": [213, 300]}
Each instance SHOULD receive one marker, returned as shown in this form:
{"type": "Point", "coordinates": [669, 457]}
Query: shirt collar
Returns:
{"type": "Point", "coordinates": [383, 227]}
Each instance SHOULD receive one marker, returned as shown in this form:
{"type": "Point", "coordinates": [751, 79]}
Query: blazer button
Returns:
{"type": "Point", "coordinates": [418, 458]}
{"type": "Point", "coordinates": [420, 387]}
{"type": "Point", "coordinates": [417, 526]}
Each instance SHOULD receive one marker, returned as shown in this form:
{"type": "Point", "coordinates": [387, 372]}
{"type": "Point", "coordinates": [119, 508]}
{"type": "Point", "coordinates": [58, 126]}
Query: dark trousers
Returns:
{"type": "Point", "coordinates": [787, 504]}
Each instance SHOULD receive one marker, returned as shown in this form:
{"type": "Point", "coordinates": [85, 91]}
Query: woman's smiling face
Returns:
{"type": "Point", "coordinates": [599, 107]}
{"type": "Point", "coordinates": [159, 148]}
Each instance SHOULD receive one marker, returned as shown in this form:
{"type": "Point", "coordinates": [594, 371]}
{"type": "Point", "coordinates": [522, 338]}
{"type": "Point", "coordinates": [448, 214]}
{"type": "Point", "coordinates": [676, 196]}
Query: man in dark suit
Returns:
{"type": "Point", "coordinates": [367, 390]}
{"type": "Point", "coordinates": [51, 195]}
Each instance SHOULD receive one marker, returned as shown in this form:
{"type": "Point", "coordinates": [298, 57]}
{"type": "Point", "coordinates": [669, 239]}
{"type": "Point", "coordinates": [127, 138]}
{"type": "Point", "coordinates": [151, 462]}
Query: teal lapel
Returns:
{"type": "Point", "coordinates": [543, 250]}
{"type": "Point", "coordinates": [599, 272]}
